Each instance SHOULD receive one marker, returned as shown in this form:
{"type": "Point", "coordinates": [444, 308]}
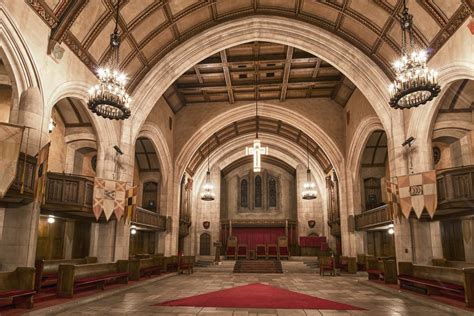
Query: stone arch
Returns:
{"type": "Point", "coordinates": [15, 52]}
{"type": "Point", "coordinates": [365, 74]}
{"type": "Point", "coordinates": [424, 118]}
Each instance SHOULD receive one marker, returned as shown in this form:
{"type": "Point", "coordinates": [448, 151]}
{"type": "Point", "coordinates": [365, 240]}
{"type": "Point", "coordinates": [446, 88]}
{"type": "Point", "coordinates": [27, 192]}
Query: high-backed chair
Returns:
{"type": "Point", "coordinates": [242, 251]}
{"type": "Point", "coordinates": [272, 251]}
{"type": "Point", "coordinates": [283, 250]}
{"type": "Point", "coordinates": [231, 251]}
{"type": "Point", "coordinates": [261, 251]}
{"type": "Point", "coordinates": [326, 264]}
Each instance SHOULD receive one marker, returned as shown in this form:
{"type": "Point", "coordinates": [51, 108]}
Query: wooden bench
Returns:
{"type": "Point", "coordinates": [348, 264]}
{"type": "Point", "coordinates": [72, 276]}
{"type": "Point", "coordinates": [146, 267]}
{"type": "Point", "coordinates": [186, 263]}
{"type": "Point", "coordinates": [47, 270]}
{"type": "Point", "coordinates": [382, 269]}
{"type": "Point", "coordinates": [18, 286]}
{"type": "Point", "coordinates": [171, 263]}
{"type": "Point", "coordinates": [457, 283]}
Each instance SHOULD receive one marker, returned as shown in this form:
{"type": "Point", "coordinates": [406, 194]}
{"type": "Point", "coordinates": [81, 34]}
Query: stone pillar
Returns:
{"type": "Point", "coordinates": [68, 239]}
{"type": "Point", "coordinates": [20, 225]}
{"type": "Point", "coordinates": [436, 241]}
{"type": "Point", "coordinates": [421, 234]}
{"type": "Point", "coordinates": [403, 240]}
{"type": "Point", "coordinates": [94, 240]}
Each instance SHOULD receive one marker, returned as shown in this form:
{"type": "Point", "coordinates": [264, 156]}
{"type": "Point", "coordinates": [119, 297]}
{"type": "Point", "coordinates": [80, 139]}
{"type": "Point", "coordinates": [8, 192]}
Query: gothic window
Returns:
{"type": "Point", "coordinates": [258, 191]}
{"type": "Point", "coordinates": [373, 193]}
{"type": "Point", "coordinates": [272, 193]}
{"type": "Point", "coordinates": [205, 245]}
{"type": "Point", "coordinates": [244, 189]}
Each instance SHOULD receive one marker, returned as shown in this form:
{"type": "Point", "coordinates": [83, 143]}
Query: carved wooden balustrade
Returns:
{"type": "Point", "coordinates": [69, 193]}
{"type": "Point", "coordinates": [14, 197]}
{"type": "Point", "coordinates": [149, 219]}
{"type": "Point", "coordinates": [455, 188]}
{"type": "Point", "coordinates": [378, 216]}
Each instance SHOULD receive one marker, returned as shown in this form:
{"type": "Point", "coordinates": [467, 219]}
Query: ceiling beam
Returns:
{"type": "Point", "coordinates": [286, 73]}
{"type": "Point", "coordinates": [314, 76]}
{"type": "Point", "coordinates": [228, 81]}
{"type": "Point", "coordinates": [67, 18]}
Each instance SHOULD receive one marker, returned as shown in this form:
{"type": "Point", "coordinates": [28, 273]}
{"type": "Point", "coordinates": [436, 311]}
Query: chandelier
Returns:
{"type": "Point", "coordinates": [108, 98]}
{"type": "Point", "coordinates": [207, 193]}
{"type": "Point", "coordinates": [257, 150]}
{"type": "Point", "coordinates": [415, 84]}
{"type": "Point", "coordinates": [309, 188]}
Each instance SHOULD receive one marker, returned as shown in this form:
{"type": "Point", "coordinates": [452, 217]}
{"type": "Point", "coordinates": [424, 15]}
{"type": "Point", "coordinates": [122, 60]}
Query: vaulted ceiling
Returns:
{"type": "Point", "coordinates": [265, 125]}
{"type": "Point", "coordinates": [151, 28]}
{"type": "Point", "coordinates": [72, 113]}
{"type": "Point", "coordinates": [145, 155]}
{"type": "Point", "coordinates": [259, 70]}
{"type": "Point", "coordinates": [459, 97]}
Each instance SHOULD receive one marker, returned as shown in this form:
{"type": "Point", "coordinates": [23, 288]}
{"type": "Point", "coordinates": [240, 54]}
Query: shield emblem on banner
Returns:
{"type": "Point", "coordinates": [311, 223]}
{"type": "Point", "coordinates": [206, 224]}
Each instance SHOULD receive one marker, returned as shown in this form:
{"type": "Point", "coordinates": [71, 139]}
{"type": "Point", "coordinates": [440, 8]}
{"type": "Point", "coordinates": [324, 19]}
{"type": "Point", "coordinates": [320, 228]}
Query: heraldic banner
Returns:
{"type": "Point", "coordinates": [109, 197]}
{"type": "Point", "coordinates": [41, 171]}
{"type": "Point", "coordinates": [10, 142]}
{"type": "Point", "coordinates": [418, 192]}
{"type": "Point", "coordinates": [131, 202]}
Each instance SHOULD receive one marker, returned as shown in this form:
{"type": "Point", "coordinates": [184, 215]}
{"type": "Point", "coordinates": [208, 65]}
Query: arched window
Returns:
{"type": "Point", "coordinates": [272, 192]}
{"type": "Point", "coordinates": [258, 191]}
{"type": "Point", "coordinates": [244, 193]}
{"type": "Point", "coordinates": [150, 194]}
{"type": "Point", "coordinates": [205, 244]}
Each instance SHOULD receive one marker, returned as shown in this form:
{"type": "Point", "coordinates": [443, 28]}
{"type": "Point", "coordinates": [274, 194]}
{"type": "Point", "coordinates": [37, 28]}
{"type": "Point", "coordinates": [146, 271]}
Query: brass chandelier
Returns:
{"type": "Point", "coordinates": [207, 193]}
{"type": "Point", "coordinates": [108, 97]}
{"type": "Point", "coordinates": [415, 84]}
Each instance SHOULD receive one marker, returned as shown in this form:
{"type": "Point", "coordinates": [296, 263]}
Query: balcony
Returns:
{"type": "Point", "coordinates": [14, 197]}
{"type": "Point", "coordinates": [377, 217]}
{"type": "Point", "coordinates": [455, 188]}
{"type": "Point", "coordinates": [69, 194]}
{"type": "Point", "coordinates": [149, 219]}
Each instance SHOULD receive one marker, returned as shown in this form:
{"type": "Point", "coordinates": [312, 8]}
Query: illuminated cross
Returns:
{"type": "Point", "coordinates": [257, 151]}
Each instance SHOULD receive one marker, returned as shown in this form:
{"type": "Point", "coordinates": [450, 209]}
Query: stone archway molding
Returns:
{"type": "Point", "coordinates": [354, 64]}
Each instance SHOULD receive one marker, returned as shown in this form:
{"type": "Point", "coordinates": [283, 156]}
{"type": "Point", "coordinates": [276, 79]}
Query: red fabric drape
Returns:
{"type": "Point", "coordinates": [251, 236]}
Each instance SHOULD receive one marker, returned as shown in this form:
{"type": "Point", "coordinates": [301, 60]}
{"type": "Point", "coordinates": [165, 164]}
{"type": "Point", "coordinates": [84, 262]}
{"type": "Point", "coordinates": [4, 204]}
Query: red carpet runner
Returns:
{"type": "Point", "coordinates": [258, 296]}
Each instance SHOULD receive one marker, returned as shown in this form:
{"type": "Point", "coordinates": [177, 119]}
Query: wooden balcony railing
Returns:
{"type": "Point", "coordinates": [14, 197]}
{"type": "Point", "coordinates": [149, 219]}
{"type": "Point", "coordinates": [455, 188]}
{"type": "Point", "coordinates": [378, 216]}
{"type": "Point", "coordinates": [68, 192]}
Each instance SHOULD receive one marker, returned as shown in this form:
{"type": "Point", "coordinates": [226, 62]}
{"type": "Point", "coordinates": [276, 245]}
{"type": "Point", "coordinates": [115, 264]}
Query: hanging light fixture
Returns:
{"type": "Point", "coordinates": [257, 150]}
{"type": "Point", "coordinates": [309, 187]}
{"type": "Point", "coordinates": [52, 121]}
{"type": "Point", "coordinates": [108, 98]}
{"type": "Point", "coordinates": [208, 189]}
{"type": "Point", "coordinates": [415, 84]}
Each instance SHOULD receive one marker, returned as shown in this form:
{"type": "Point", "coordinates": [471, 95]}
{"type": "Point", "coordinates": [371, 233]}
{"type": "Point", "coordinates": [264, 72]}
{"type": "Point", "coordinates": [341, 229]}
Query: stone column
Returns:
{"type": "Point", "coordinates": [421, 234]}
{"type": "Point", "coordinates": [20, 225]}
{"type": "Point", "coordinates": [468, 237]}
{"type": "Point", "coordinates": [94, 240]}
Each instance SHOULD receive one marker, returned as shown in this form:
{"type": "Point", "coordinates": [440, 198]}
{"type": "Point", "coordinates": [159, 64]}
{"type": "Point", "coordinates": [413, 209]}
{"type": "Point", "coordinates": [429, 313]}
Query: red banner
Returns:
{"type": "Point", "coordinates": [251, 236]}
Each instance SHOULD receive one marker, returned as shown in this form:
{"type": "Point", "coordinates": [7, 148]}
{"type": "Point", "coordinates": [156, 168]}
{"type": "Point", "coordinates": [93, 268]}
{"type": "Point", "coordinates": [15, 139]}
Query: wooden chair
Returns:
{"type": "Point", "coordinates": [272, 251]}
{"type": "Point", "coordinates": [242, 251]}
{"type": "Point", "coordinates": [326, 264]}
{"type": "Point", "coordinates": [261, 251]}
{"type": "Point", "coordinates": [283, 251]}
{"type": "Point", "coordinates": [231, 251]}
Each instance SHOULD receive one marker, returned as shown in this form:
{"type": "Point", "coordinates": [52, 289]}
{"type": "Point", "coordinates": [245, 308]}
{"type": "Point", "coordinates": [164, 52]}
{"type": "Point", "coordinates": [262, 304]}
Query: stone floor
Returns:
{"type": "Point", "coordinates": [352, 290]}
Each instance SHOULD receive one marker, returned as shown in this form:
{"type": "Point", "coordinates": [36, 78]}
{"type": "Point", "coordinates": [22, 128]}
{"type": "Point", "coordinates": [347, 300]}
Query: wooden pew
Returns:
{"type": "Point", "coordinates": [186, 263]}
{"type": "Point", "coordinates": [382, 269]}
{"type": "Point", "coordinates": [146, 267]}
{"type": "Point", "coordinates": [47, 270]}
{"type": "Point", "coordinates": [361, 261]}
{"type": "Point", "coordinates": [348, 264]}
{"type": "Point", "coordinates": [18, 285]}
{"type": "Point", "coordinates": [171, 263]}
{"type": "Point", "coordinates": [74, 276]}
{"type": "Point", "coordinates": [457, 283]}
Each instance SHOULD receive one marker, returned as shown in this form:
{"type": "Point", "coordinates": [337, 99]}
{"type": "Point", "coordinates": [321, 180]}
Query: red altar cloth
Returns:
{"type": "Point", "coordinates": [313, 242]}
{"type": "Point", "coordinates": [251, 236]}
